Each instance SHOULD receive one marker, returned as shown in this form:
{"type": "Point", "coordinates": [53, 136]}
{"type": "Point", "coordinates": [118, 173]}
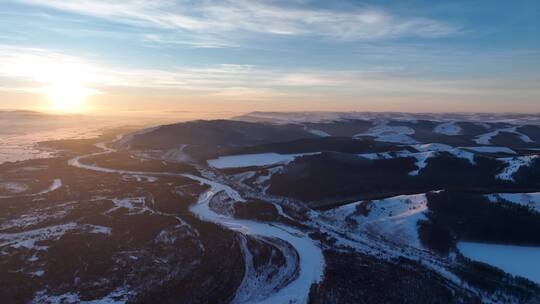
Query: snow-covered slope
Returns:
{"type": "Point", "coordinates": [531, 200]}
{"type": "Point", "coordinates": [485, 139]}
{"type": "Point", "coordinates": [393, 218]}
{"type": "Point", "coordinates": [318, 132]}
{"type": "Point", "coordinates": [491, 149]}
{"type": "Point", "coordinates": [425, 152]}
{"type": "Point", "coordinates": [513, 164]}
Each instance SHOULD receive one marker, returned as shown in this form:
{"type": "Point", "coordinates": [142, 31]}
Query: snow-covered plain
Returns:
{"type": "Point", "coordinates": [393, 134]}
{"type": "Point", "coordinates": [29, 239]}
{"type": "Point", "coordinates": [56, 184]}
{"type": "Point", "coordinates": [13, 187]}
{"type": "Point", "coordinates": [133, 205]}
{"type": "Point", "coordinates": [516, 260]}
{"type": "Point", "coordinates": [118, 296]}
{"type": "Point", "coordinates": [249, 160]}
{"type": "Point", "coordinates": [448, 128]}
{"type": "Point", "coordinates": [38, 216]}
{"type": "Point", "coordinates": [19, 136]}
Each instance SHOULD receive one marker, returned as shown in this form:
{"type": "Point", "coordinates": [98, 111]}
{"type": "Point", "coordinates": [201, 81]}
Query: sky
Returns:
{"type": "Point", "coordinates": [205, 57]}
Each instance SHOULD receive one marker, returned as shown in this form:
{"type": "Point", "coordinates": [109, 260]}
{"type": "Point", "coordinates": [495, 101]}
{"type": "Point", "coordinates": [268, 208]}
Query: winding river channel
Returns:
{"type": "Point", "coordinates": [309, 265]}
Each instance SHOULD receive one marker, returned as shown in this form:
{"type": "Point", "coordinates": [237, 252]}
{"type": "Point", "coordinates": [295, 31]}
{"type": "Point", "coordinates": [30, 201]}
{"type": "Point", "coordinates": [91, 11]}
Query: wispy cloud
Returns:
{"type": "Point", "coordinates": [33, 69]}
{"type": "Point", "coordinates": [218, 18]}
{"type": "Point", "coordinates": [196, 42]}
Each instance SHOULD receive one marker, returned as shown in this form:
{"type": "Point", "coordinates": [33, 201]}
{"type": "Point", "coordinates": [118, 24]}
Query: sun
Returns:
{"type": "Point", "coordinates": [66, 85]}
{"type": "Point", "coordinates": [66, 99]}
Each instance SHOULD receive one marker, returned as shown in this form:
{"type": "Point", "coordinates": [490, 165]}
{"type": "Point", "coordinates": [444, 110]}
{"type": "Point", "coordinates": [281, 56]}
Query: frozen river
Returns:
{"type": "Point", "coordinates": [311, 260]}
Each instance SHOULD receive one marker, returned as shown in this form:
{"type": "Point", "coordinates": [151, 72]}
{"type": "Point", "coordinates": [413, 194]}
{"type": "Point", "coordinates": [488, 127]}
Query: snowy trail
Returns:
{"type": "Point", "coordinates": [311, 259]}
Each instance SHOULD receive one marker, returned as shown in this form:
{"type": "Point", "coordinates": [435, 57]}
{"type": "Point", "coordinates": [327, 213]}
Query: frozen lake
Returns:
{"type": "Point", "coordinates": [249, 160]}
{"type": "Point", "coordinates": [20, 131]}
{"type": "Point", "coordinates": [22, 146]}
{"type": "Point", "coordinates": [517, 260]}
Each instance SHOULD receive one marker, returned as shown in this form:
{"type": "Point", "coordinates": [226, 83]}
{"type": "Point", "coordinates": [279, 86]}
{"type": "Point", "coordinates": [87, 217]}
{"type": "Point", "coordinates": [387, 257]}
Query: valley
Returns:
{"type": "Point", "coordinates": [264, 218]}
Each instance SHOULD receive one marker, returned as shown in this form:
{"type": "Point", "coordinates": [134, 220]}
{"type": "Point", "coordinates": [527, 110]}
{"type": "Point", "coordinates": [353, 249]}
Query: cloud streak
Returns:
{"type": "Point", "coordinates": [224, 18]}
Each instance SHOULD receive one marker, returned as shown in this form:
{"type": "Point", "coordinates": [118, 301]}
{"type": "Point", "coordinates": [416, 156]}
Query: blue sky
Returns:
{"type": "Point", "coordinates": [241, 55]}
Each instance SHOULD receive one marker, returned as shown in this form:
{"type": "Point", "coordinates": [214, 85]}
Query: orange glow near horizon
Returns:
{"type": "Point", "coordinates": [67, 99]}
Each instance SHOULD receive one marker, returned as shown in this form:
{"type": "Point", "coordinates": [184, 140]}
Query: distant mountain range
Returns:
{"type": "Point", "coordinates": [282, 117]}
